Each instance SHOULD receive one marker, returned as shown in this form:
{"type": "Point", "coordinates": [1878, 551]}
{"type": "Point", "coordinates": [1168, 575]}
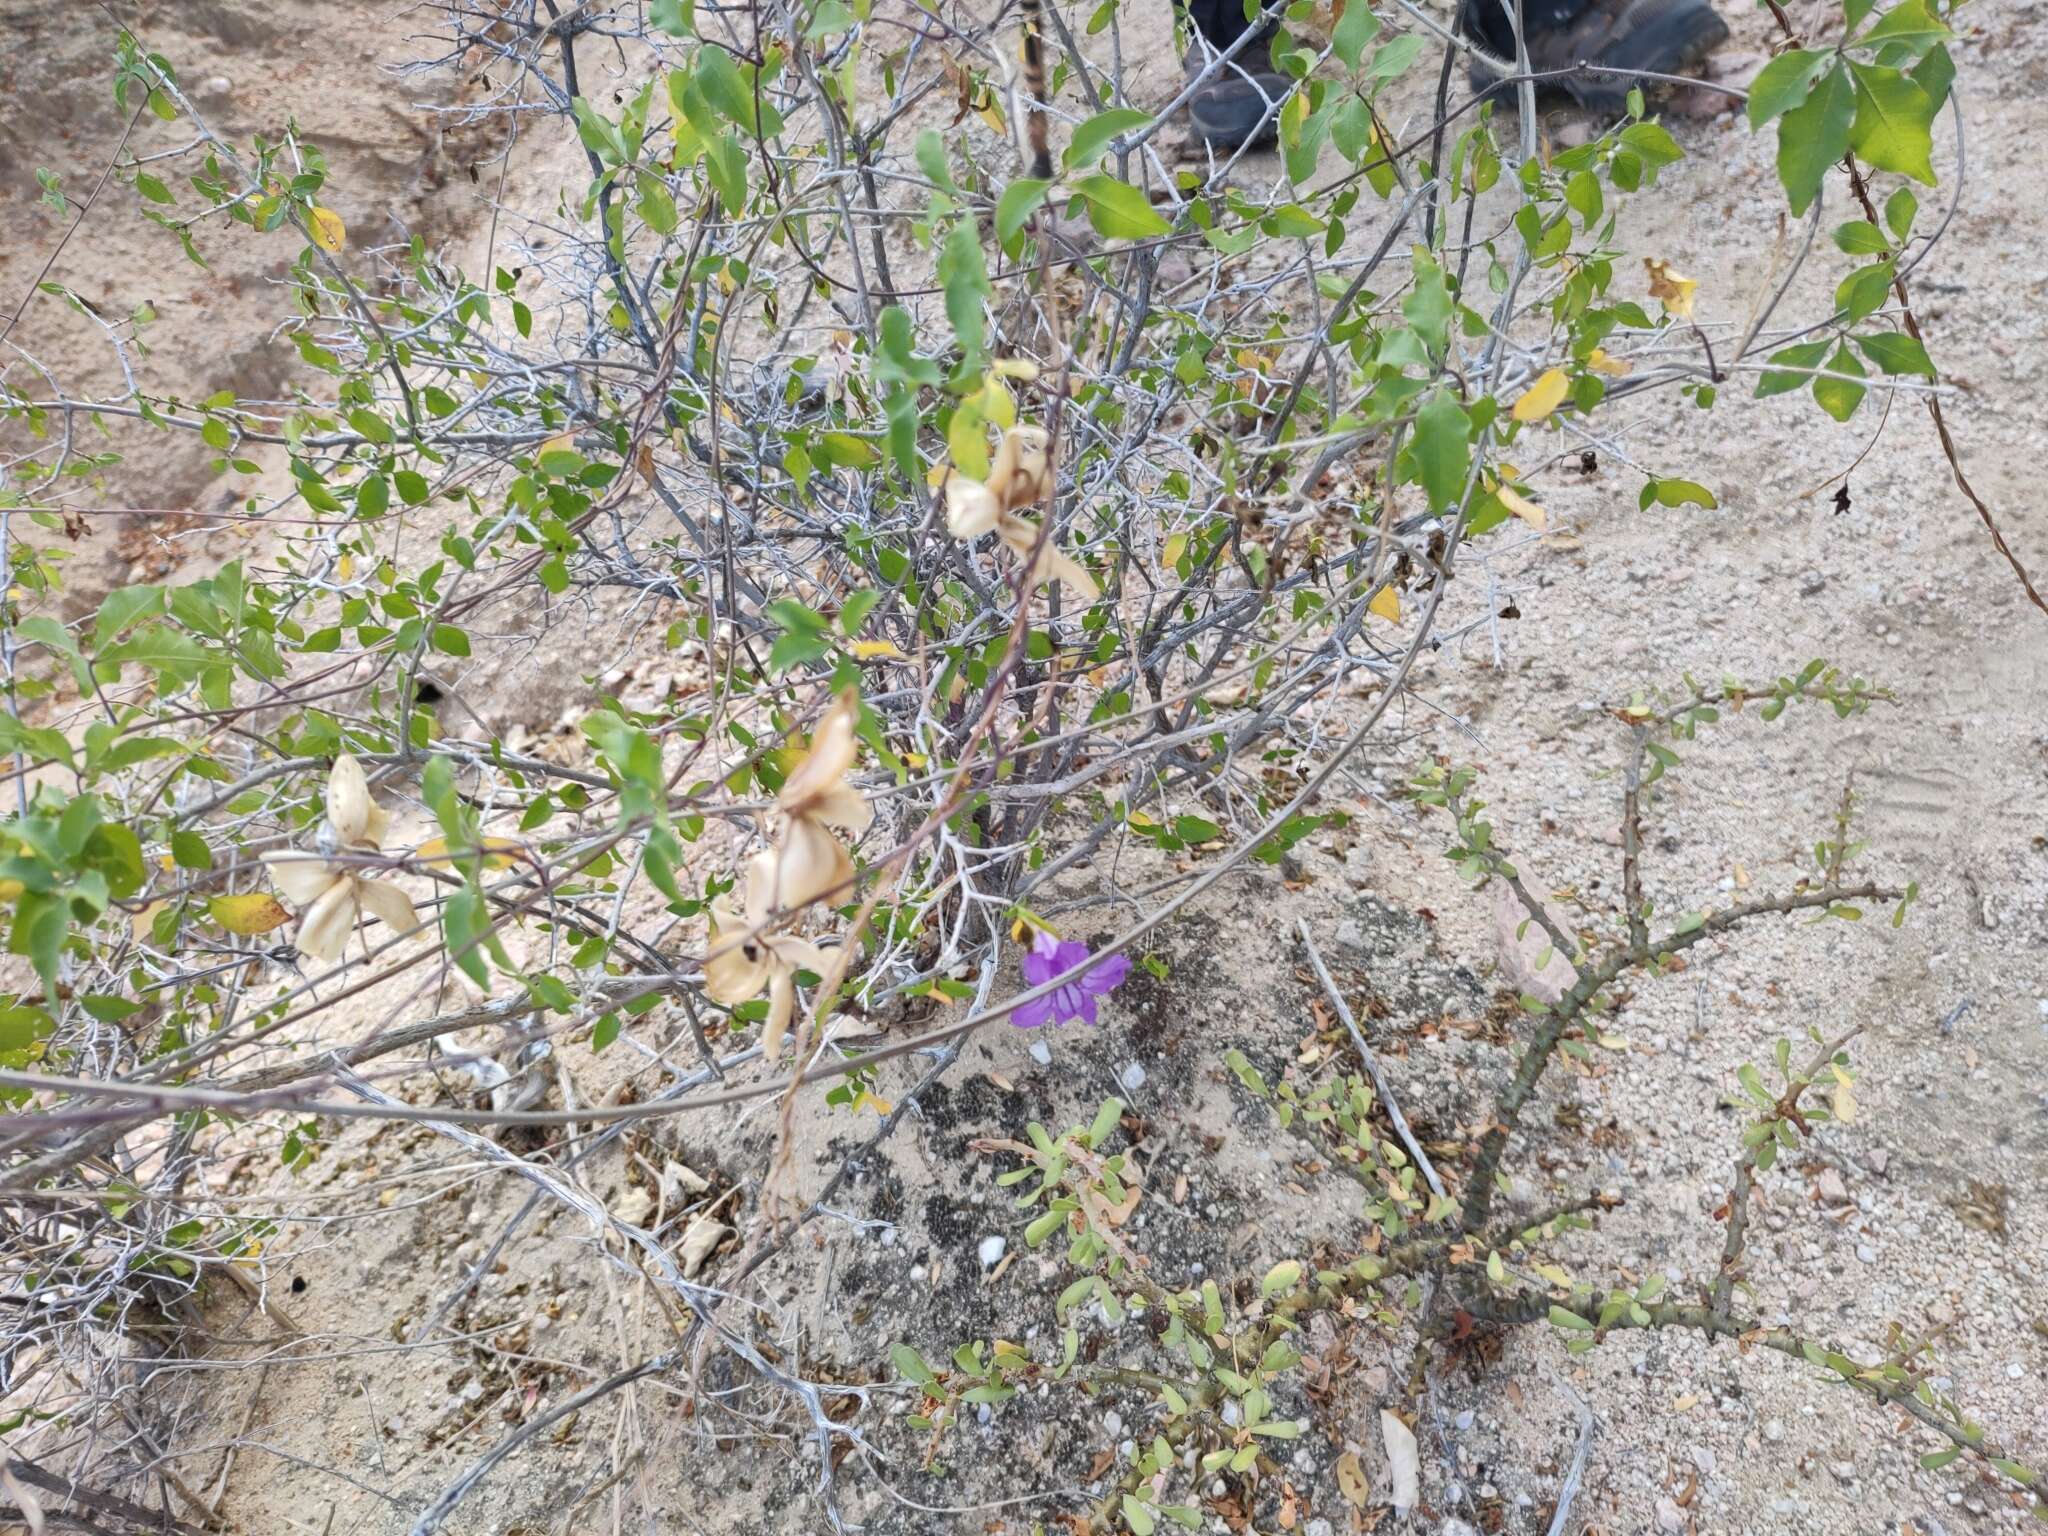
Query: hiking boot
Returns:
{"type": "Point", "coordinates": [1666, 37]}
{"type": "Point", "coordinates": [1239, 107]}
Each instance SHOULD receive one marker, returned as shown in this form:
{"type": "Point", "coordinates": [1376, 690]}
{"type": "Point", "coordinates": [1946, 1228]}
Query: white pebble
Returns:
{"type": "Point", "coordinates": [992, 1250]}
{"type": "Point", "coordinates": [1041, 1053]}
{"type": "Point", "coordinates": [1133, 1077]}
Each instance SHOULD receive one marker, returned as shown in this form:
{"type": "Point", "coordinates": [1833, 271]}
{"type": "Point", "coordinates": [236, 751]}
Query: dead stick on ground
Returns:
{"type": "Point", "coordinates": [1372, 1065]}
{"type": "Point", "coordinates": [1572, 1479]}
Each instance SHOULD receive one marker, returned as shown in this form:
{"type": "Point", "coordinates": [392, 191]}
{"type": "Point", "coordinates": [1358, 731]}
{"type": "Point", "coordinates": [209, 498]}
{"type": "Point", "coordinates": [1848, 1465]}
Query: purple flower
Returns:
{"type": "Point", "coordinates": [1052, 956]}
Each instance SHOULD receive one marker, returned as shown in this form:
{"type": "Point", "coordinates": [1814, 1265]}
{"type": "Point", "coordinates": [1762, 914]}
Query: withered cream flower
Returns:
{"type": "Point", "coordinates": [806, 864]}
{"type": "Point", "coordinates": [1020, 476]}
{"type": "Point", "coordinates": [737, 969]}
{"type": "Point", "coordinates": [331, 895]}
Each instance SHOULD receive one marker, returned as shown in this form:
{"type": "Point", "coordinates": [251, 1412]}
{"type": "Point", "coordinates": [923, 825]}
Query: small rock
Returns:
{"type": "Point", "coordinates": [991, 1252]}
{"type": "Point", "coordinates": [634, 1206]}
{"type": "Point", "coordinates": [1832, 1190]}
{"type": "Point", "coordinates": [1844, 1471]}
{"type": "Point", "coordinates": [1350, 935]}
{"type": "Point", "coordinates": [1451, 1527]}
{"type": "Point", "coordinates": [1132, 1077]}
{"type": "Point", "coordinates": [1670, 1518]}
{"type": "Point", "coordinates": [1774, 1431]}
{"type": "Point", "coordinates": [1520, 942]}
{"type": "Point", "coordinates": [1704, 1460]}
{"type": "Point", "coordinates": [1041, 1053]}
{"type": "Point", "coordinates": [1866, 1253]}
{"type": "Point", "coordinates": [1812, 584]}
{"type": "Point", "coordinates": [1113, 1423]}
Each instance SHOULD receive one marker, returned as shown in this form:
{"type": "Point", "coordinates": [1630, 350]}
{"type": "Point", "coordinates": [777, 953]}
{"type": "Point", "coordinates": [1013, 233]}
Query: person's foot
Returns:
{"type": "Point", "coordinates": [1239, 106]}
{"type": "Point", "coordinates": [1576, 41]}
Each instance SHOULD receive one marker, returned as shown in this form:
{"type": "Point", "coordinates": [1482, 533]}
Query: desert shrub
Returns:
{"type": "Point", "coordinates": [1003, 526]}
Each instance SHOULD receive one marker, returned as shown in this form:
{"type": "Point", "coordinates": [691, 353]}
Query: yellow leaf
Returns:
{"type": "Point", "coordinates": [1670, 285]}
{"type": "Point", "coordinates": [866, 1100]}
{"type": "Point", "coordinates": [1387, 604]}
{"type": "Point", "coordinates": [10, 890]}
{"type": "Point", "coordinates": [869, 650]}
{"type": "Point", "coordinates": [496, 850]}
{"type": "Point", "coordinates": [345, 570]}
{"type": "Point", "coordinates": [144, 920]}
{"type": "Point", "coordinates": [1542, 397]}
{"type": "Point", "coordinates": [913, 759]}
{"type": "Point", "coordinates": [561, 442]}
{"type": "Point", "coordinates": [1553, 1274]}
{"type": "Point", "coordinates": [1169, 557]}
{"type": "Point", "coordinates": [257, 912]}
{"type": "Point", "coordinates": [326, 228]}
{"type": "Point", "coordinates": [1844, 1104]}
{"type": "Point", "coordinates": [1600, 362]}
{"type": "Point", "coordinates": [1521, 506]}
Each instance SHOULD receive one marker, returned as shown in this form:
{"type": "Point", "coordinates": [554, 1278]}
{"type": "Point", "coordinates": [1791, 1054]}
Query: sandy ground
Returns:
{"type": "Point", "coordinates": [1927, 1213]}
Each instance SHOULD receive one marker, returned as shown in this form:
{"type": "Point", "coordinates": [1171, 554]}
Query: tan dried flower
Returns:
{"type": "Point", "coordinates": [1020, 476]}
{"type": "Point", "coordinates": [331, 894]}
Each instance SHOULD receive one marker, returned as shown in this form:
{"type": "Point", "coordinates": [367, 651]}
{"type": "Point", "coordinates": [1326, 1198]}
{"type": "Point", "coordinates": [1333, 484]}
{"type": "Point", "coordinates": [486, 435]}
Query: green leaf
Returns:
{"type": "Point", "coordinates": [830, 19]}
{"type": "Point", "coordinates": [964, 276]}
{"type": "Point", "coordinates": [1441, 450]}
{"type": "Point", "coordinates": [1560, 1318]}
{"type": "Point", "coordinates": [1355, 28]}
{"type": "Point", "coordinates": [1864, 291]}
{"type": "Point", "coordinates": [47, 632]}
{"type": "Point", "coordinates": [1118, 210]}
{"type": "Point", "coordinates": [1934, 75]}
{"type": "Point", "coordinates": [1138, 1516]}
{"type": "Point", "coordinates": [1894, 352]}
{"type": "Point", "coordinates": [1105, 1122]}
{"type": "Point", "coordinates": [1899, 211]}
{"type": "Point", "coordinates": [1894, 127]}
{"type": "Point", "coordinates": [123, 608]}
{"type": "Point", "coordinates": [724, 87]}
{"type": "Point", "coordinates": [1934, 1461]}
{"type": "Point", "coordinates": [1091, 139]}
{"type": "Point", "coordinates": [1019, 201]}
{"type": "Point", "coordinates": [1840, 397]}
{"type": "Point", "coordinates": [1814, 136]}
{"type": "Point", "coordinates": [910, 1364]}
{"type": "Point", "coordinates": [1784, 83]}
{"type": "Point", "coordinates": [1804, 357]}
{"type": "Point", "coordinates": [1909, 22]}
{"type": "Point", "coordinates": [606, 1031]}
{"type": "Point", "coordinates": [1281, 1277]}
{"type": "Point", "coordinates": [1860, 237]}
{"type": "Point", "coordinates": [854, 611]}
{"type": "Point", "coordinates": [1291, 221]}
{"type": "Point", "coordinates": [1393, 58]}
{"type": "Point", "coordinates": [1675, 493]}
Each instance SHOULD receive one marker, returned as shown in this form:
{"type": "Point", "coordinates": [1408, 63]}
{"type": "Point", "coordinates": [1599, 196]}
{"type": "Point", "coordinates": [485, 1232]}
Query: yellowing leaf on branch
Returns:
{"type": "Point", "coordinates": [1174, 548]}
{"type": "Point", "coordinates": [1387, 604]}
{"type": "Point", "coordinates": [326, 228]}
{"type": "Point", "coordinates": [1522, 506]}
{"type": "Point", "coordinates": [497, 853]}
{"type": "Point", "coordinates": [256, 912]}
{"type": "Point", "coordinates": [1844, 1103]}
{"type": "Point", "coordinates": [1671, 286]}
{"type": "Point", "coordinates": [1600, 362]}
{"type": "Point", "coordinates": [870, 650]}
{"type": "Point", "coordinates": [1542, 397]}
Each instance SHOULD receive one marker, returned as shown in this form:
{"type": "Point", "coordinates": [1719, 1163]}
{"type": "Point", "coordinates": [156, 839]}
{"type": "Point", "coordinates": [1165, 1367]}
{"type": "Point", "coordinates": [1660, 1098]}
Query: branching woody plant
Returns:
{"type": "Point", "coordinates": [1219, 1360]}
{"type": "Point", "coordinates": [751, 396]}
